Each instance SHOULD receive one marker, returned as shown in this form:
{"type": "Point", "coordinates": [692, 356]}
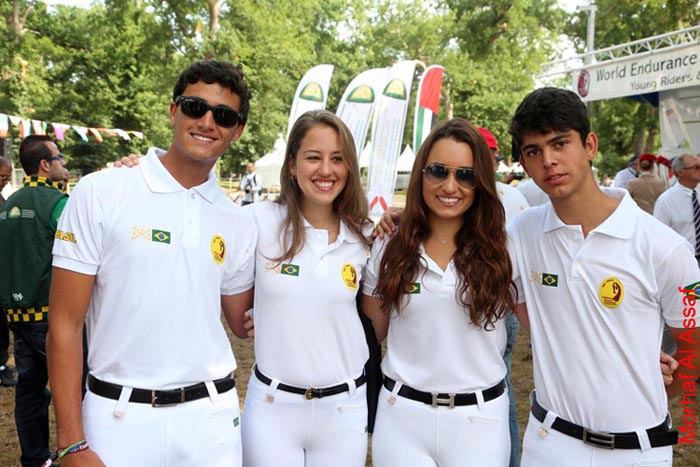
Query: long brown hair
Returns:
{"type": "Point", "coordinates": [482, 262]}
{"type": "Point", "coordinates": [351, 203]}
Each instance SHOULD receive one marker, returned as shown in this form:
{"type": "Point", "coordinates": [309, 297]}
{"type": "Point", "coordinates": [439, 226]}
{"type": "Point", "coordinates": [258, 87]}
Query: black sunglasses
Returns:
{"type": "Point", "coordinates": [437, 173]}
{"type": "Point", "coordinates": [194, 107]}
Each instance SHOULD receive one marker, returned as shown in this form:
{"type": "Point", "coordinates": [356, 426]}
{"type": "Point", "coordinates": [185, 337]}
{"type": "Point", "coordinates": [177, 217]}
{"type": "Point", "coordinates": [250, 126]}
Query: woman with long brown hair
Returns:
{"type": "Point", "coordinates": [306, 401]}
{"type": "Point", "coordinates": [441, 286]}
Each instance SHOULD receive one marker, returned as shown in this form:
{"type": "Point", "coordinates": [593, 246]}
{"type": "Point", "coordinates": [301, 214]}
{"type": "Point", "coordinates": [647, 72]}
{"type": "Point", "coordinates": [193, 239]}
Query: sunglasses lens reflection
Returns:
{"type": "Point", "coordinates": [437, 173]}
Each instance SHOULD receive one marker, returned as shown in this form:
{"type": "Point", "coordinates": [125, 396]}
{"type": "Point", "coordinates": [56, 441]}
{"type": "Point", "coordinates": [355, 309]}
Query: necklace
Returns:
{"type": "Point", "coordinates": [442, 242]}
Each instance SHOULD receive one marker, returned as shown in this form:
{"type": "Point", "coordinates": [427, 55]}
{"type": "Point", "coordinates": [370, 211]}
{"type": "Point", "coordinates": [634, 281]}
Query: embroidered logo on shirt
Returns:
{"type": "Point", "coordinates": [65, 236]}
{"type": "Point", "coordinates": [349, 274]}
{"type": "Point", "coordinates": [236, 422]}
{"type": "Point", "coordinates": [692, 290]}
{"type": "Point", "coordinates": [14, 213]}
{"type": "Point", "coordinates": [150, 235]}
{"type": "Point", "coordinates": [218, 249]}
{"type": "Point", "coordinates": [549, 279]}
{"type": "Point", "coordinates": [413, 288]}
{"type": "Point", "coordinates": [611, 292]}
{"type": "Point", "coordinates": [289, 269]}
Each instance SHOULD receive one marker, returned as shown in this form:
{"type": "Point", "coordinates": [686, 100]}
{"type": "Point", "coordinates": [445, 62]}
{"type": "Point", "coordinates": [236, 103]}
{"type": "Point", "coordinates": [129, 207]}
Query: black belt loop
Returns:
{"type": "Point", "coordinates": [659, 435]}
{"type": "Point", "coordinates": [445, 400]}
{"type": "Point", "coordinates": [160, 398]}
{"type": "Point", "coordinates": [311, 393]}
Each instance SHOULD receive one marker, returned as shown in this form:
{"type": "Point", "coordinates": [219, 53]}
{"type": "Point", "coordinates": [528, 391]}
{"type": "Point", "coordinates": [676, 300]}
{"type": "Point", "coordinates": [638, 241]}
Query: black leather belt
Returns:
{"type": "Point", "coordinates": [311, 393]}
{"type": "Point", "coordinates": [443, 399]}
{"type": "Point", "coordinates": [659, 436]}
{"type": "Point", "coordinates": [159, 398]}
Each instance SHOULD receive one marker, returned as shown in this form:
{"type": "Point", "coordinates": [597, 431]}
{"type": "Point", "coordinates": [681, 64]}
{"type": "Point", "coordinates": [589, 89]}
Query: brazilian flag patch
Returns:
{"type": "Point", "coordinates": [414, 288]}
{"type": "Point", "coordinates": [288, 269]}
{"type": "Point", "coordinates": [160, 236]}
{"type": "Point", "coordinates": [550, 280]}
{"type": "Point", "coordinates": [692, 290]}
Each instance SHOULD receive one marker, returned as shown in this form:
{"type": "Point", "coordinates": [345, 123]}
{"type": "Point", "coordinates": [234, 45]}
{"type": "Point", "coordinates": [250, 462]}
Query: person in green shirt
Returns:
{"type": "Point", "coordinates": [28, 223]}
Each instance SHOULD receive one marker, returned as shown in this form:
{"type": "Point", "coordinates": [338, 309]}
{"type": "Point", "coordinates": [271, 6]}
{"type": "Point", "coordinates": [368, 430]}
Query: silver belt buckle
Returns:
{"type": "Point", "coordinates": [599, 439]}
{"type": "Point", "coordinates": [155, 403]}
{"type": "Point", "coordinates": [450, 401]}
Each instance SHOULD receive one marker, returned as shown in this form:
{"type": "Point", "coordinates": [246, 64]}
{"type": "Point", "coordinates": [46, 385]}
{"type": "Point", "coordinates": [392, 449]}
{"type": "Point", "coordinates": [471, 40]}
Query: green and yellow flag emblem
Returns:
{"type": "Point", "coordinates": [550, 280]}
{"type": "Point", "coordinates": [160, 236]}
{"type": "Point", "coordinates": [288, 269]}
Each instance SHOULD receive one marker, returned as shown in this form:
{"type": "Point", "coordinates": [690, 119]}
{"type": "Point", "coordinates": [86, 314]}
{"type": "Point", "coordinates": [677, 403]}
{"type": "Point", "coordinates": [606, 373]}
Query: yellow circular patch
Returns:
{"type": "Point", "coordinates": [218, 249]}
{"type": "Point", "coordinates": [611, 292]}
{"type": "Point", "coordinates": [349, 274]}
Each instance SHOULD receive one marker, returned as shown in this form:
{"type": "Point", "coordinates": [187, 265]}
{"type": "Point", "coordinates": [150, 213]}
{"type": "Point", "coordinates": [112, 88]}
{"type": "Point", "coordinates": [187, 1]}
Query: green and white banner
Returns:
{"type": "Point", "coordinates": [388, 124]}
{"type": "Point", "coordinates": [311, 94]}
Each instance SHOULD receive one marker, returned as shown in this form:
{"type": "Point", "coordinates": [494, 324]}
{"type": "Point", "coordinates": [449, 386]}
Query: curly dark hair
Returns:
{"type": "Point", "coordinates": [485, 287]}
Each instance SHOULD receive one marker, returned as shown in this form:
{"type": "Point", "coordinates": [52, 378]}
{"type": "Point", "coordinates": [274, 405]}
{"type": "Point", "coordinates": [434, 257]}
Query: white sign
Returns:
{"type": "Point", "coordinates": [679, 68]}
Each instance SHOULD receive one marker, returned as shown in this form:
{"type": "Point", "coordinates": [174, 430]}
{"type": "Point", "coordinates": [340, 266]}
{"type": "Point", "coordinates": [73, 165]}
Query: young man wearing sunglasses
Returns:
{"type": "Point", "coordinates": [149, 257]}
{"type": "Point", "coordinates": [28, 222]}
{"type": "Point", "coordinates": [600, 277]}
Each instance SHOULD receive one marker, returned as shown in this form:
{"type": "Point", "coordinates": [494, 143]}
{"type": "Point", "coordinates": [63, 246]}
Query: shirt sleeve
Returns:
{"type": "Point", "coordinates": [679, 287]}
{"type": "Point", "coordinates": [239, 272]}
{"type": "Point", "coordinates": [78, 244]}
{"type": "Point", "coordinates": [57, 211]}
{"type": "Point", "coordinates": [369, 281]}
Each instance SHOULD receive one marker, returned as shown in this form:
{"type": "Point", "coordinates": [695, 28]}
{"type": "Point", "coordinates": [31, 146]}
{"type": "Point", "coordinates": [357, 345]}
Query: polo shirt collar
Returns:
{"type": "Point", "coordinates": [159, 180]}
{"type": "Point", "coordinates": [619, 224]}
{"type": "Point", "coordinates": [344, 235]}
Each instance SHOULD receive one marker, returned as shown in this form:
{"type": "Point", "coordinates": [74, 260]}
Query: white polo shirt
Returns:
{"type": "Point", "coordinates": [162, 255]}
{"type": "Point", "coordinates": [432, 345]}
{"type": "Point", "coordinates": [307, 329]}
{"type": "Point", "coordinates": [675, 209]}
{"type": "Point", "coordinates": [512, 200]}
{"type": "Point", "coordinates": [596, 307]}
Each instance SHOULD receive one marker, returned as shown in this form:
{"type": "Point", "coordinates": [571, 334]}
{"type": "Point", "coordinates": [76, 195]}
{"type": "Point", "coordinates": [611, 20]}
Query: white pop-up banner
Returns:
{"type": "Point", "coordinates": [357, 103]}
{"type": "Point", "coordinates": [653, 72]}
{"type": "Point", "coordinates": [388, 124]}
{"type": "Point", "coordinates": [311, 94]}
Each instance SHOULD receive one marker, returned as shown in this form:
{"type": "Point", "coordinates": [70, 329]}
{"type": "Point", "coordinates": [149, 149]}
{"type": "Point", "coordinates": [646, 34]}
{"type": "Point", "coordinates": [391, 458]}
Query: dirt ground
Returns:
{"type": "Point", "coordinates": [687, 455]}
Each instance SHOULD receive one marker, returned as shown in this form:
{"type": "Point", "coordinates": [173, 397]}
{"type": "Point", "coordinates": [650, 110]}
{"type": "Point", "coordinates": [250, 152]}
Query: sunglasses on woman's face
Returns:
{"type": "Point", "coordinates": [194, 107]}
{"type": "Point", "coordinates": [437, 173]}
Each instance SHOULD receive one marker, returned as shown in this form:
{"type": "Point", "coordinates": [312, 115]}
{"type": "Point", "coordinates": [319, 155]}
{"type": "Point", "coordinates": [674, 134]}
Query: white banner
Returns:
{"type": "Point", "coordinates": [311, 94]}
{"type": "Point", "coordinates": [388, 124]}
{"type": "Point", "coordinates": [357, 103]}
{"type": "Point", "coordinates": [660, 71]}
{"type": "Point", "coordinates": [679, 112]}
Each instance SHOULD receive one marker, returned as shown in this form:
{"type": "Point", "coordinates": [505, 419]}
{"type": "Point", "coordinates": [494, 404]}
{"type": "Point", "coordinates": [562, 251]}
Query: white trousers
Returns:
{"type": "Point", "coordinates": [200, 432]}
{"type": "Point", "coordinates": [559, 450]}
{"type": "Point", "coordinates": [282, 429]}
{"type": "Point", "coordinates": [413, 434]}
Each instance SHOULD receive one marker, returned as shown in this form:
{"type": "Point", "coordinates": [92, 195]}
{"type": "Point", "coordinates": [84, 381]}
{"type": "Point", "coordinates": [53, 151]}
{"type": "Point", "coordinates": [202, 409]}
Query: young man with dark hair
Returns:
{"type": "Point", "coordinates": [27, 229]}
{"type": "Point", "coordinates": [600, 277]}
{"type": "Point", "coordinates": [150, 257]}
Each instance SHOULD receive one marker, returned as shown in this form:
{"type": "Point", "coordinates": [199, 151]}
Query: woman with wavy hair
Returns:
{"type": "Point", "coordinates": [306, 400]}
{"type": "Point", "coordinates": [441, 286]}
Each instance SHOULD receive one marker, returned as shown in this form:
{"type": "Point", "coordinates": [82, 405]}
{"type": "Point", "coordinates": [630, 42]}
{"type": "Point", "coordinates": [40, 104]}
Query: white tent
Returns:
{"type": "Point", "coordinates": [405, 160]}
{"type": "Point", "coordinates": [269, 166]}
